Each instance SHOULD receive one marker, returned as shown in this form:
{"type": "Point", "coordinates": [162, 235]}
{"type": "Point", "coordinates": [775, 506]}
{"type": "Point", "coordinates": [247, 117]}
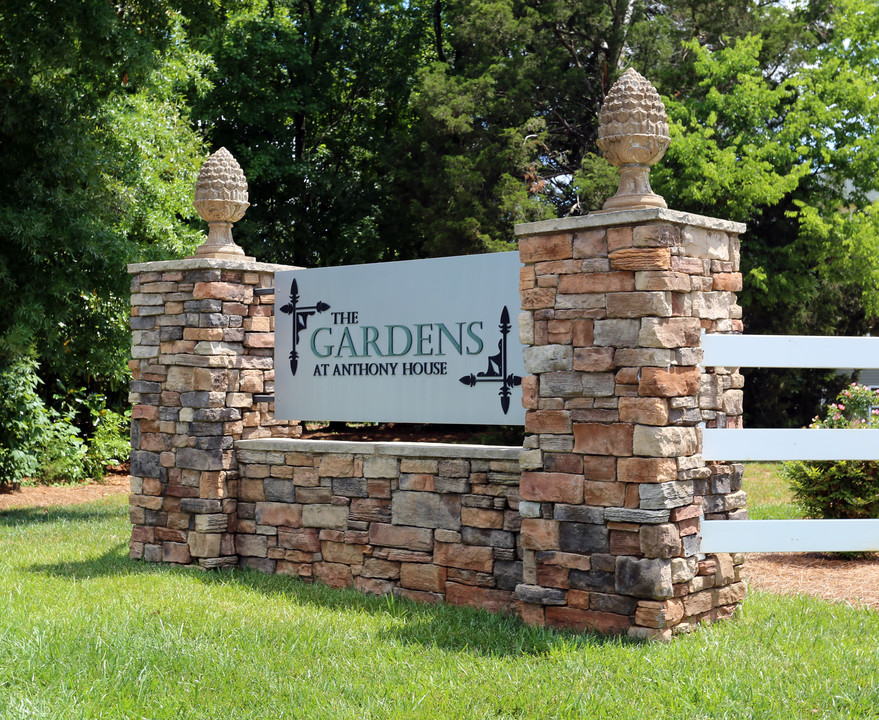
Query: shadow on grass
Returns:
{"type": "Point", "coordinates": [451, 628]}
{"type": "Point", "coordinates": [64, 513]}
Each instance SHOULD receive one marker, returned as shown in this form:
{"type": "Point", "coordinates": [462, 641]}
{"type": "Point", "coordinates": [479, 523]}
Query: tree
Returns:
{"type": "Point", "coordinates": [792, 151]}
{"type": "Point", "coordinates": [312, 97]}
{"type": "Point", "coordinates": [99, 161]}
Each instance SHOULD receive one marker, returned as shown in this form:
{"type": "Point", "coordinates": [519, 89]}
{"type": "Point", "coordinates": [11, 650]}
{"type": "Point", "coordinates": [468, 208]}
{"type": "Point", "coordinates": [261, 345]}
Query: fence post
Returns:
{"type": "Point", "coordinates": [613, 485]}
{"type": "Point", "coordinates": [202, 344]}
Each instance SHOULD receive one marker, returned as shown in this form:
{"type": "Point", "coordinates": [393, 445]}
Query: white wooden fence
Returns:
{"type": "Point", "coordinates": [777, 444]}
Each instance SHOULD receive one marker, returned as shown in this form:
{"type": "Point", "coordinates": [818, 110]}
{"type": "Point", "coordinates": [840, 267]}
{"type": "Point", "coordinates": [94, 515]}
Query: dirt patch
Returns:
{"type": "Point", "coordinates": [46, 495]}
{"type": "Point", "coordinates": [854, 582]}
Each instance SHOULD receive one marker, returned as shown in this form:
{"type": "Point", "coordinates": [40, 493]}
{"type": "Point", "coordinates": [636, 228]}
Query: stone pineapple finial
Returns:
{"type": "Point", "coordinates": [220, 199]}
{"type": "Point", "coordinates": [633, 135]}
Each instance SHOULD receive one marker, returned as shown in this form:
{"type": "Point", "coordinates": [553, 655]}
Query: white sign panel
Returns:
{"type": "Point", "coordinates": [414, 341]}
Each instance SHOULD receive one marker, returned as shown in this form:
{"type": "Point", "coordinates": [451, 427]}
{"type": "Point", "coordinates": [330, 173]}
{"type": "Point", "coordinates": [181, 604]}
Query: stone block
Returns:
{"type": "Point", "coordinates": [338, 552]}
{"type": "Point", "coordinates": [423, 576]}
{"type": "Point", "coordinates": [278, 513]}
{"type": "Point", "coordinates": [400, 536]}
{"type": "Point", "coordinates": [638, 304]}
{"type": "Point", "coordinates": [204, 545]}
{"type": "Point", "coordinates": [482, 518]}
{"type": "Point", "coordinates": [637, 259]}
{"type": "Point", "coordinates": [664, 441]}
{"type": "Point", "coordinates": [333, 517]}
{"type": "Point", "coordinates": [660, 541]}
{"type": "Point", "coordinates": [600, 439]}
{"type": "Point", "coordinates": [466, 557]}
{"type": "Point", "coordinates": [647, 470]}
{"type": "Point", "coordinates": [669, 382]}
{"type": "Point", "coordinates": [350, 487]}
{"type": "Point", "coordinates": [216, 523]}
{"type": "Point", "coordinates": [662, 496]}
{"type": "Point", "coordinates": [302, 539]}
{"type": "Point", "coordinates": [375, 568]}
{"type": "Point", "coordinates": [173, 553]}
{"type": "Point", "coordinates": [703, 243]}
{"type": "Point", "coordinates": [643, 578]}
{"type": "Point", "coordinates": [597, 282]}
{"type": "Point", "coordinates": [577, 513]}
{"type": "Point", "coordinates": [553, 422]}
{"type": "Point", "coordinates": [643, 410]}
{"type": "Point", "coordinates": [616, 332]}
{"type": "Point", "coordinates": [551, 487]}
{"type": "Point", "coordinates": [380, 467]}
{"type": "Point", "coordinates": [592, 580]}
{"type": "Point", "coordinates": [548, 358]}
{"type": "Point", "coordinates": [593, 359]}
{"type": "Point", "coordinates": [488, 599]}
{"type": "Point", "coordinates": [659, 614]}
{"type": "Point", "coordinates": [731, 594]}
{"type": "Point", "coordinates": [582, 538]}
{"type": "Point", "coordinates": [194, 459]}
{"type": "Point", "coordinates": [538, 595]}
{"type": "Point", "coordinates": [698, 603]}
{"type": "Point", "coordinates": [538, 248]}
{"type": "Point", "coordinates": [314, 496]}
{"type": "Point", "coordinates": [590, 243]}
{"type": "Point", "coordinates": [714, 305]}
{"type": "Point", "coordinates": [669, 332]}
{"type": "Point", "coordinates": [564, 384]}
{"type": "Point", "coordinates": [539, 534]}
{"type": "Point", "coordinates": [335, 575]}
{"type": "Point", "coordinates": [426, 510]}
{"type": "Point", "coordinates": [370, 510]}
{"type": "Point", "coordinates": [664, 280]}
{"type": "Point", "coordinates": [251, 545]}
{"type": "Point", "coordinates": [604, 494]}
{"type": "Point", "coordinates": [636, 515]}
{"type": "Point", "coordinates": [337, 466]}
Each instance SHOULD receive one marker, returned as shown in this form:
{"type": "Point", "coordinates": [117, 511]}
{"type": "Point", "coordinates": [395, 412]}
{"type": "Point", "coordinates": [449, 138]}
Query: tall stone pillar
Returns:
{"type": "Point", "coordinates": [613, 484]}
{"type": "Point", "coordinates": [202, 370]}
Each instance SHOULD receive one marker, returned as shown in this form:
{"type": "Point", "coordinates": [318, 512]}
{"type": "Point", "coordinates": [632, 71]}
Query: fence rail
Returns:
{"type": "Point", "coordinates": [790, 351]}
{"type": "Point", "coordinates": [763, 444]}
{"type": "Point", "coordinates": [790, 536]}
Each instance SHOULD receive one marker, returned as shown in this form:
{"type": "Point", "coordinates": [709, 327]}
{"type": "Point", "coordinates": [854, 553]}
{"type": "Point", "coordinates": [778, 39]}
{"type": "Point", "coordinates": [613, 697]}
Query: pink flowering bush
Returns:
{"type": "Point", "coordinates": [843, 488]}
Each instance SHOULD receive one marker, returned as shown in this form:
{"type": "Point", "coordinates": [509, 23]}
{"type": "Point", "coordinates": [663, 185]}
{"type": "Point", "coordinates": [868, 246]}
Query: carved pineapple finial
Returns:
{"type": "Point", "coordinates": [220, 199]}
{"type": "Point", "coordinates": [633, 136]}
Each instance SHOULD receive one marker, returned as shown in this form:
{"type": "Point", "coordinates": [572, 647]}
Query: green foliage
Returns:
{"type": "Point", "coordinates": [109, 443]}
{"type": "Point", "coordinates": [99, 161]}
{"type": "Point", "coordinates": [61, 452]}
{"type": "Point", "coordinates": [45, 444]}
{"type": "Point", "coordinates": [23, 419]}
{"type": "Point", "coordinates": [790, 148]}
{"type": "Point", "coordinates": [845, 488]}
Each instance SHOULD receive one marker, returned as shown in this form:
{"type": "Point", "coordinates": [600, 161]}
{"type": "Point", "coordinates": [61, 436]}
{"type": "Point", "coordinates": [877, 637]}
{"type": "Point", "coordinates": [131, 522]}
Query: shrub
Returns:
{"type": "Point", "coordinates": [46, 443]}
{"type": "Point", "coordinates": [23, 420]}
{"type": "Point", "coordinates": [110, 443]}
{"type": "Point", "coordinates": [845, 488]}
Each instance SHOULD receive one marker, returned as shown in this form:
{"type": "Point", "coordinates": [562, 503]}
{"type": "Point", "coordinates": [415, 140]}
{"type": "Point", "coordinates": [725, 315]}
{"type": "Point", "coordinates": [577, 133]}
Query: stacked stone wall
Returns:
{"type": "Point", "coordinates": [428, 522]}
{"type": "Point", "coordinates": [613, 483]}
{"type": "Point", "coordinates": [593, 524]}
{"type": "Point", "coordinates": [202, 344]}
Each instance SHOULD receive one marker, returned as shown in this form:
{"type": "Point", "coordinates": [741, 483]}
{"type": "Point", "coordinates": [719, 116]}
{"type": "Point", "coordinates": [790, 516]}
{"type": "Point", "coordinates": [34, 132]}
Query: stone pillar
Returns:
{"type": "Point", "coordinates": [613, 484]}
{"type": "Point", "coordinates": [202, 344]}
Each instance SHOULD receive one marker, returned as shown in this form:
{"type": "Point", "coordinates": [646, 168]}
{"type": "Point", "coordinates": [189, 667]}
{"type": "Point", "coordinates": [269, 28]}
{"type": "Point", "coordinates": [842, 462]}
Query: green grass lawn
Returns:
{"type": "Point", "coordinates": [769, 497]}
{"type": "Point", "coordinates": [87, 633]}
